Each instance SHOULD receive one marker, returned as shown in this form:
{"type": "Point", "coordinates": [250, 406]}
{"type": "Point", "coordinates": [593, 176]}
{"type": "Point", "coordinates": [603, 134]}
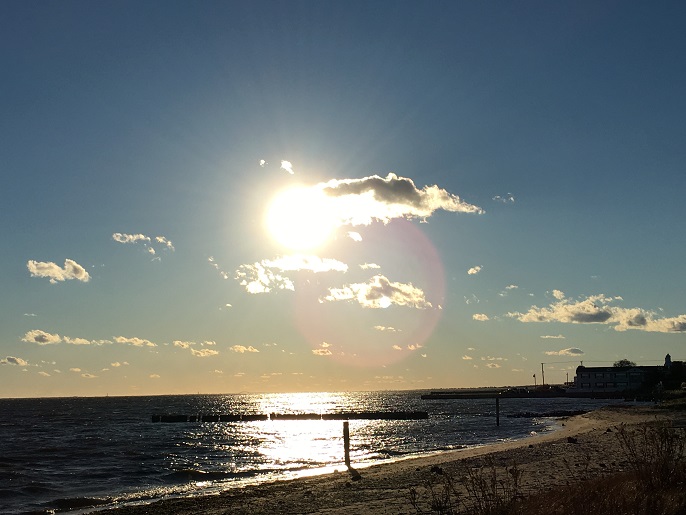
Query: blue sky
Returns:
{"type": "Point", "coordinates": [304, 196]}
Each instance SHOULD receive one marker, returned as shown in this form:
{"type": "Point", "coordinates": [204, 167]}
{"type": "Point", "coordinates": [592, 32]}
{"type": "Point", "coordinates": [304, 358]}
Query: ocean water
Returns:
{"type": "Point", "coordinates": [80, 455]}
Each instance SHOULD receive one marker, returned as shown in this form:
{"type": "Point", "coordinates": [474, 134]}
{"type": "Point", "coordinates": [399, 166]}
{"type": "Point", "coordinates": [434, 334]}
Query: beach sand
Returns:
{"type": "Point", "coordinates": [586, 446]}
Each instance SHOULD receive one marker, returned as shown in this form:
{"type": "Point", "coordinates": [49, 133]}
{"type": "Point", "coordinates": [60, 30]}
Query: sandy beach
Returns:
{"type": "Point", "coordinates": [586, 446]}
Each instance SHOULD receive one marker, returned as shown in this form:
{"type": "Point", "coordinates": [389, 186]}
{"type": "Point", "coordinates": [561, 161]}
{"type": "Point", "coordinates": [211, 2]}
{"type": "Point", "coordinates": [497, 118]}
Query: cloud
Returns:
{"type": "Point", "coordinates": [256, 278]}
{"type": "Point", "coordinates": [480, 317]}
{"type": "Point", "coordinates": [379, 292]}
{"type": "Point", "coordinates": [572, 351]}
{"type": "Point", "coordinates": [129, 238]}
{"type": "Point", "coordinates": [551, 337]}
{"type": "Point", "coordinates": [154, 376]}
{"type": "Point", "coordinates": [493, 365]}
{"type": "Point", "coordinates": [355, 236]}
{"type": "Point", "coordinates": [288, 166]}
{"type": "Point", "coordinates": [388, 329]}
{"type": "Point", "coordinates": [511, 287]}
{"type": "Point", "coordinates": [142, 238]}
{"type": "Point", "coordinates": [596, 309]}
{"type": "Point", "coordinates": [414, 346]}
{"type": "Point", "coordinates": [167, 243]}
{"type": "Point", "coordinates": [116, 364]}
{"type": "Point", "coordinates": [368, 266]}
{"type": "Point", "coordinates": [11, 360]}
{"type": "Point", "coordinates": [183, 345]}
{"type": "Point", "coordinates": [265, 276]}
{"type": "Point", "coordinates": [75, 370]}
{"type": "Point", "coordinates": [30, 315]}
{"type": "Point", "coordinates": [44, 374]}
{"type": "Point", "coordinates": [474, 270]}
{"type": "Point", "coordinates": [467, 358]}
{"type": "Point", "coordinates": [136, 342]}
{"type": "Point", "coordinates": [396, 347]}
{"type": "Point", "coordinates": [321, 352]}
{"type": "Point", "coordinates": [204, 353]}
{"type": "Point", "coordinates": [71, 270]}
{"type": "Point", "coordinates": [242, 349]}
{"type": "Point", "coordinates": [361, 201]}
{"type": "Point", "coordinates": [41, 337]}
{"type": "Point", "coordinates": [505, 199]}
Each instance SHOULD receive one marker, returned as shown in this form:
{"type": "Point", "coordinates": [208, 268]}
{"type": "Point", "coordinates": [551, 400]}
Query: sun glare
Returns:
{"type": "Point", "coordinates": [301, 219]}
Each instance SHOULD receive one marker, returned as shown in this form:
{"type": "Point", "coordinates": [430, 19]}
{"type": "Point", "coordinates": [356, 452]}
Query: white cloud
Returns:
{"type": "Point", "coordinates": [166, 242]}
{"type": "Point", "coordinates": [11, 360]}
{"type": "Point", "coordinates": [368, 266]}
{"type": "Point", "coordinates": [75, 370]}
{"type": "Point", "coordinates": [558, 294]}
{"type": "Point", "coordinates": [379, 292]}
{"type": "Point", "coordinates": [474, 270]}
{"type": "Point", "coordinates": [154, 376]}
{"type": "Point", "coordinates": [467, 358]}
{"type": "Point", "coordinates": [41, 337]}
{"type": "Point", "coordinates": [572, 351]}
{"type": "Point", "coordinates": [44, 374]}
{"type": "Point", "coordinates": [414, 346]}
{"type": "Point", "coordinates": [493, 365]}
{"type": "Point", "coordinates": [136, 342]}
{"type": "Point", "coordinates": [288, 166]}
{"type": "Point", "coordinates": [116, 364]}
{"type": "Point", "coordinates": [145, 240]}
{"type": "Point", "coordinates": [596, 309]}
{"type": "Point", "coordinates": [396, 347]}
{"type": "Point", "coordinates": [355, 236]}
{"type": "Point", "coordinates": [480, 317]}
{"type": "Point", "coordinates": [30, 315]}
{"type": "Point", "coordinates": [256, 278]}
{"type": "Point", "coordinates": [551, 337]}
{"type": "Point", "coordinates": [129, 238]}
{"type": "Point", "coordinates": [305, 262]}
{"type": "Point", "coordinates": [361, 201]}
{"type": "Point", "coordinates": [511, 287]}
{"type": "Point", "coordinates": [204, 353]}
{"type": "Point", "coordinates": [71, 270]}
{"type": "Point", "coordinates": [183, 345]}
{"type": "Point", "coordinates": [388, 329]}
{"type": "Point", "coordinates": [321, 352]}
{"type": "Point", "coordinates": [242, 348]}
{"type": "Point", "coordinates": [505, 199]}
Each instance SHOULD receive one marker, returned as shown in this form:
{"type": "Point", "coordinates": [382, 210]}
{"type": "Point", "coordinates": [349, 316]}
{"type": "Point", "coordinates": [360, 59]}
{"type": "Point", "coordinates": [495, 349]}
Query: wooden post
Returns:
{"type": "Point", "coordinates": [497, 411]}
{"type": "Point", "coordinates": [346, 443]}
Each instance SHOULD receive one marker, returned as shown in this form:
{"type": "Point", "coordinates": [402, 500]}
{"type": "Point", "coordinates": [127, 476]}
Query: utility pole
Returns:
{"type": "Point", "coordinates": [542, 374]}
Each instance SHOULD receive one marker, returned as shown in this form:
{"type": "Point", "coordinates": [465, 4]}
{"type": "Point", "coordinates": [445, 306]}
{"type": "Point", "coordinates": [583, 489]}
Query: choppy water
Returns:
{"type": "Point", "coordinates": [69, 454]}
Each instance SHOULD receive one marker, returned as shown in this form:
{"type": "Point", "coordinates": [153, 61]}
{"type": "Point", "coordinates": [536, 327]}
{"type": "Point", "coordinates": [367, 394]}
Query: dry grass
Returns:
{"type": "Point", "coordinates": [654, 484]}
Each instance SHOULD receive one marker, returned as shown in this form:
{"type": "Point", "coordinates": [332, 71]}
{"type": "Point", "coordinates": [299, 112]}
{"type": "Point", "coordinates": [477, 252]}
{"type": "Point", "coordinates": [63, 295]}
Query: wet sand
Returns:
{"type": "Point", "coordinates": [586, 446]}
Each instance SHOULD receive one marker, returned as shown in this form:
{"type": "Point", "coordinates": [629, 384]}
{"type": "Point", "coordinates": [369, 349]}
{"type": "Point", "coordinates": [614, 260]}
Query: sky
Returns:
{"type": "Point", "coordinates": [225, 197]}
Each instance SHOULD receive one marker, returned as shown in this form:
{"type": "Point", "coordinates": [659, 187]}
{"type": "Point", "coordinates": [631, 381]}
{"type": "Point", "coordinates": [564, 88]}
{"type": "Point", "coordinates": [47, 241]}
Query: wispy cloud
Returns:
{"type": "Point", "coordinates": [474, 270]}
{"type": "Point", "coordinates": [596, 309]}
{"type": "Point", "coordinates": [480, 317]}
{"type": "Point", "coordinates": [288, 166]}
{"type": "Point", "coordinates": [369, 266]}
{"type": "Point", "coordinates": [144, 240]}
{"type": "Point", "coordinates": [380, 292]}
{"type": "Point", "coordinates": [388, 329]}
{"type": "Point", "coordinates": [551, 337]}
{"type": "Point", "coordinates": [52, 271]}
{"type": "Point", "coordinates": [505, 199]}
{"type": "Point", "coordinates": [572, 351]}
{"type": "Point", "coordinates": [467, 358]}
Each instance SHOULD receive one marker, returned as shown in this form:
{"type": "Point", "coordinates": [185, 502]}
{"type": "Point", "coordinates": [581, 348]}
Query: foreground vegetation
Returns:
{"type": "Point", "coordinates": [654, 483]}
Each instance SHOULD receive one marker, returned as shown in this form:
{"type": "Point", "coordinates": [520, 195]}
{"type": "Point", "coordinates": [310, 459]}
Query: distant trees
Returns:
{"type": "Point", "coordinates": [624, 363]}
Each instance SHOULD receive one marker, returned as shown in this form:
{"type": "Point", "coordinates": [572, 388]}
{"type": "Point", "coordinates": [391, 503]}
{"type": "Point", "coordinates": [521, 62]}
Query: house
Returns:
{"type": "Point", "coordinates": [619, 379]}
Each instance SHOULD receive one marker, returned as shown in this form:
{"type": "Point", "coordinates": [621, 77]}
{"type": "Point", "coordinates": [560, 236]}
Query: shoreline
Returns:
{"type": "Point", "coordinates": [584, 446]}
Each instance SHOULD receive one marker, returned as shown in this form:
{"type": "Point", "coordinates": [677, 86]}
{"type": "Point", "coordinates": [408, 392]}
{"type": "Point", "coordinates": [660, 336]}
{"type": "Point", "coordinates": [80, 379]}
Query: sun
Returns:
{"type": "Point", "coordinates": [301, 218]}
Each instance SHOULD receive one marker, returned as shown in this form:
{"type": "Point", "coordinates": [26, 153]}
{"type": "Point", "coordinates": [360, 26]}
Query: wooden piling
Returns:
{"type": "Point", "coordinates": [346, 443]}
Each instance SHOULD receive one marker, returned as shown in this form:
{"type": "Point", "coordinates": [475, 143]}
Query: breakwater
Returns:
{"type": "Point", "coordinates": [348, 415]}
